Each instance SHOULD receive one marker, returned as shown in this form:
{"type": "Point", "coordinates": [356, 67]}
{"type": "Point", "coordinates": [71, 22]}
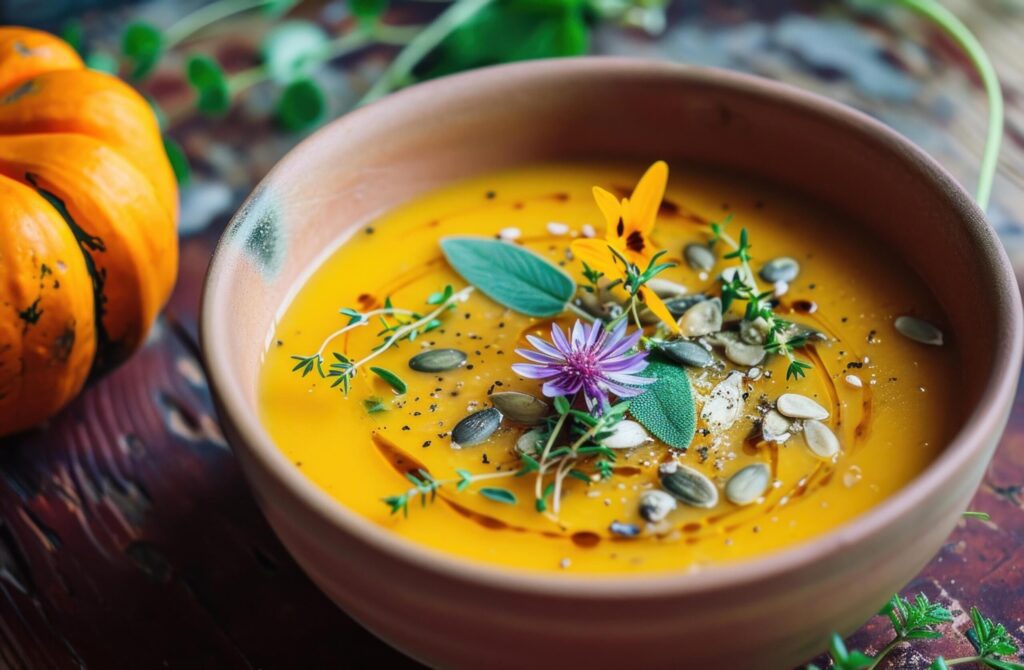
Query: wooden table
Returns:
{"type": "Point", "coordinates": [127, 535]}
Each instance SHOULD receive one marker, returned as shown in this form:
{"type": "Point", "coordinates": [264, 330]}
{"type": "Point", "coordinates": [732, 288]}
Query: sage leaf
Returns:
{"type": "Point", "coordinates": [666, 407]}
{"type": "Point", "coordinates": [510, 275]}
{"type": "Point", "coordinates": [499, 495]}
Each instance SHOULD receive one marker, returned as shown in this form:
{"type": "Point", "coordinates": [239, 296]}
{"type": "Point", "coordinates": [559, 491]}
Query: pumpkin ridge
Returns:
{"type": "Point", "coordinates": [87, 244]}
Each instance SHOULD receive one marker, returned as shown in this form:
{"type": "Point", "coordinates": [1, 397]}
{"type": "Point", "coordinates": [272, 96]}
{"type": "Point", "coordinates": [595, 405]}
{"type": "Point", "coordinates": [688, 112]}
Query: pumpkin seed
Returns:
{"type": "Point", "coordinates": [437, 360]}
{"type": "Point", "coordinates": [687, 353]}
{"type": "Point", "coordinates": [775, 427]}
{"type": "Point", "coordinates": [656, 505]}
{"type": "Point", "coordinates": [741, 353]}
{"type": "Point", "coordinates": [797, 406]}
{"type": "Point", "coordinates": [520, 407]}
{"type": "Point", "coordinates": [703, 318]}
{"type": "Point", "coordinates": [724, 404]}
{"type": "Point", "coordinates": [699, 257]}
{"type": "Point", "coordinates": [678, 306]}
{"type": "Point", "coordinates": [754, 332]}
{"type": "Point", "coordinates": [626, 434]}
{"type": "Point", "coordinates": [690, 487]}
{"type": "Point", "coordinates": [783, 268]}
{"type": "Point", "coordinates": [476, 428]}
{"type": "Point", "coordinates": [665, 288]}
{"type": "Point", "coordinates": [918, 330]}
{"type": "Point", "coordinates": [820, 439]}
{"type": "Point", "coordinates": [749, 484]}
{"type": "Point", "coordinates": [529, 442]}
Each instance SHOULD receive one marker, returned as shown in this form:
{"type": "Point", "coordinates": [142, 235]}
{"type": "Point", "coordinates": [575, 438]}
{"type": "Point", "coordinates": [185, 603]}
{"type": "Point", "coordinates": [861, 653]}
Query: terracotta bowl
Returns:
{"type": "Point", "coordinates": [772, 612]}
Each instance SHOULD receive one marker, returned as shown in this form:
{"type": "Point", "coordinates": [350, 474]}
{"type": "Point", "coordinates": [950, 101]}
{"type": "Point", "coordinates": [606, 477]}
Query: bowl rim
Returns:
{"type": "Point", "coordinates": [988, 416]}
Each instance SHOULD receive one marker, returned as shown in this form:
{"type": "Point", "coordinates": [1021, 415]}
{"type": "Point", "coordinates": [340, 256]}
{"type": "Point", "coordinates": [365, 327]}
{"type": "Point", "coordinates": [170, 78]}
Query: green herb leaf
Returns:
{"type": "Point", "coordinates": [510, 275]}
{"type": "Point", "coordinates": [293, 49]}
{"type": "Point", "coordinates": [391, 378]}
{"type": "Point", "coordinates": [981, 516]}
{"type": "Point", "coordinates": [666, 407]}
{"type": "Point", "coordinates": [499, 495]}
{"type": "Point", "coordinates": [367, 11]}
{"type": "Point", "coordinates": [72, 33]}
{"type": "Point", "coordinates": [938, 664]}
{"type": "Point", "coordinates": [301, 106]}
{"type": "Point", "coordinates": [179, 161]}
{"type": "Point", "coordinates": [208, 79]}
{"type": "Point", "coordinates": [142, 44]}
{"type": "Point", "coordinates": [373, 405]}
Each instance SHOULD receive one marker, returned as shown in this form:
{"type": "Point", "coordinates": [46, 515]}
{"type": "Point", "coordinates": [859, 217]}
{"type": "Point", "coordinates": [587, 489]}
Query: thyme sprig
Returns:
{"type": "Point", "coordinates": [919, 619]}
{"type": "Point", "coordinates": [425, 488]}
{"type": "Point", "coordinates": [403, 324]}
{"type": "Point", "coordinates": [779, 338]}
{"type": "Point", "coordinates": [635, 279]}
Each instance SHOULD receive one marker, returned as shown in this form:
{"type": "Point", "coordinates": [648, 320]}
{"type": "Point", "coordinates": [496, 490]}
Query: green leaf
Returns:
{"type": "Point", "coordinates": [373, 405]}
{"type": "Point", "coordinates": [666, 407]}
{"type": "Point", "coordinates": [391, 378]}
{"type": "Point", "coordinates": [179, 161]}
{"type": "Point", "coordinates": [293, 49]}
{"type": "Point", "coordinates": [301, 106]}
{"type": "Point", "coordinates": [101, 61]}
{"type": "Point", "coordinates": [276, 8]}
{"type": "Point", "coordinates": [981, 516]}
{"type": "Point", "coordinates": [142, 44]}
{"type": "Point", "coordinates": [208, 79]}
{"type": "Point", "coordinates": [72, 33]}
{"type": "Point", "coordinates": [938, 664]}
{"type": "Point", "coordinates": [510, 275]}
{"type": "Point", "coordinates": [499, 495]}
{"type": "Point", "coordinates": [513, 30]}
{"type": "Point", "coordinates": [367, 11]}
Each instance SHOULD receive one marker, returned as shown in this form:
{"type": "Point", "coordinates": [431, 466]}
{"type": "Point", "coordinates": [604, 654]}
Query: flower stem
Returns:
{"type": "Point", "coordinates": [400, 69]}
{"type": "Point", "coordinates": [192, 23]}
{"type": "Point", "coordinates": [963, 660]}
{"type": "Point", "coordinates": [884, 652]}
{"type": "Point", "coordinates": [959, 33]}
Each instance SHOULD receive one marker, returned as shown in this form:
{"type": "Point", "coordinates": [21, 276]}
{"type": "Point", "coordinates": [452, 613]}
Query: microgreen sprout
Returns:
{"type": "Point", "coordinates": [779, 337]}
{"type": "Point", "coordinates": [397, 325]}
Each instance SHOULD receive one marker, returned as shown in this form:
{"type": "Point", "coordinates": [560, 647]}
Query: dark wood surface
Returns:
{"type": "Point", "coordinates": [128, 538]}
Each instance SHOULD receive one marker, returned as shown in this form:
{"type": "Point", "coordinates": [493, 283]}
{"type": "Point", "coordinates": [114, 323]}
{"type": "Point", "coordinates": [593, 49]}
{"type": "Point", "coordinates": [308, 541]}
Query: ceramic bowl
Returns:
{"type": "Point", "coordinates": [772, 612]}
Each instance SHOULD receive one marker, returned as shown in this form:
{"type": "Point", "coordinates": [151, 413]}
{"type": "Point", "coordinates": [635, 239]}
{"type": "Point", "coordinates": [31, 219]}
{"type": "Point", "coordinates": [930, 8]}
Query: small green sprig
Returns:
{"type": "Point", "coordinates": [636, 278]}
{"type": "Point", "coordinates": [405, 325]}
{"type": "Point", "coordinates": [920, 619]}
{"type": "Point", "coordinates": [743, 286]}
{"type": "Point", "coordinates": [425, 486]}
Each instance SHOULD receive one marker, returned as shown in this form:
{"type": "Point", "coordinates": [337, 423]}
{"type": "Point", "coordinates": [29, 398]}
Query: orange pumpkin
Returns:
{"type": "Point", "coordinates": [88, 240]}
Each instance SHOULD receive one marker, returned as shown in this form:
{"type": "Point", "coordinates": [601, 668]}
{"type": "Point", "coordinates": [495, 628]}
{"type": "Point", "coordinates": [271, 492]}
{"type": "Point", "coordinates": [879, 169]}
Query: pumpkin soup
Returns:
{"type": "Point", "coordinates": [551, 369]}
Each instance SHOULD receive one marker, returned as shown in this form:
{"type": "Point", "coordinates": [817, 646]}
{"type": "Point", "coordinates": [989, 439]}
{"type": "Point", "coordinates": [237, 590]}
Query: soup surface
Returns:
{"type": "Point", "coordinates": [618, 500]}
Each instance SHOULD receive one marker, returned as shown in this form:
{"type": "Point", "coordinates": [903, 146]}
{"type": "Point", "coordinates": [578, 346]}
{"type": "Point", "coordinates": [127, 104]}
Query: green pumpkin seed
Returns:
{"type": "Point", "coordinates": [689, 487]}
{"type": "Point", "coordinates": [666, 288]}
{"type": "Point", "coordinates": [918, 330]}
{"type": "Point", "coordinates": [678, 306]}
{"type": "Point", "coordinates": [699, 257]}
{"type": "Point", "coordinates": [476, 428]}
{"type": "Point", "coordinates": [686, 353]}
{"type": "Point", "coordinates": [749, 484]}
{"type": "Point", "coordinates": [780, 269]}
{"type": "Point", "coordinates": [437, 360]}
{"type": "Point", "coordinates": [521, 407]}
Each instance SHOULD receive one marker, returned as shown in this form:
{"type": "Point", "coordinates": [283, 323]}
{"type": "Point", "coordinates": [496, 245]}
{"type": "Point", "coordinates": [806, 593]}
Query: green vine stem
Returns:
{"type": "Point", "coordinates": [192, 23]}
{"type": "Point", "coordinates": [963, 37]}
{"type": "Point", "coordinates": [400, 70]}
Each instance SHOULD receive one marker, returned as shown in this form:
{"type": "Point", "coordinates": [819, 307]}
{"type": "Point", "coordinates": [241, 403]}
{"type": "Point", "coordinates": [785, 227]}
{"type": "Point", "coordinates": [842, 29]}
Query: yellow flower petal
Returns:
{"type": "Point", "coordinates": [597, 255]}
{"type": "Point", "coordinates": [642, 209]}
{"type": "Point", "coordinates": [655, 304]}
{"type": "Point", "coordinates": [610, 207]}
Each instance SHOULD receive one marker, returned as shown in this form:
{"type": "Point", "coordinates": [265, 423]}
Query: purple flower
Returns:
{"type": "Point", "coordinates": [593, 360]}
